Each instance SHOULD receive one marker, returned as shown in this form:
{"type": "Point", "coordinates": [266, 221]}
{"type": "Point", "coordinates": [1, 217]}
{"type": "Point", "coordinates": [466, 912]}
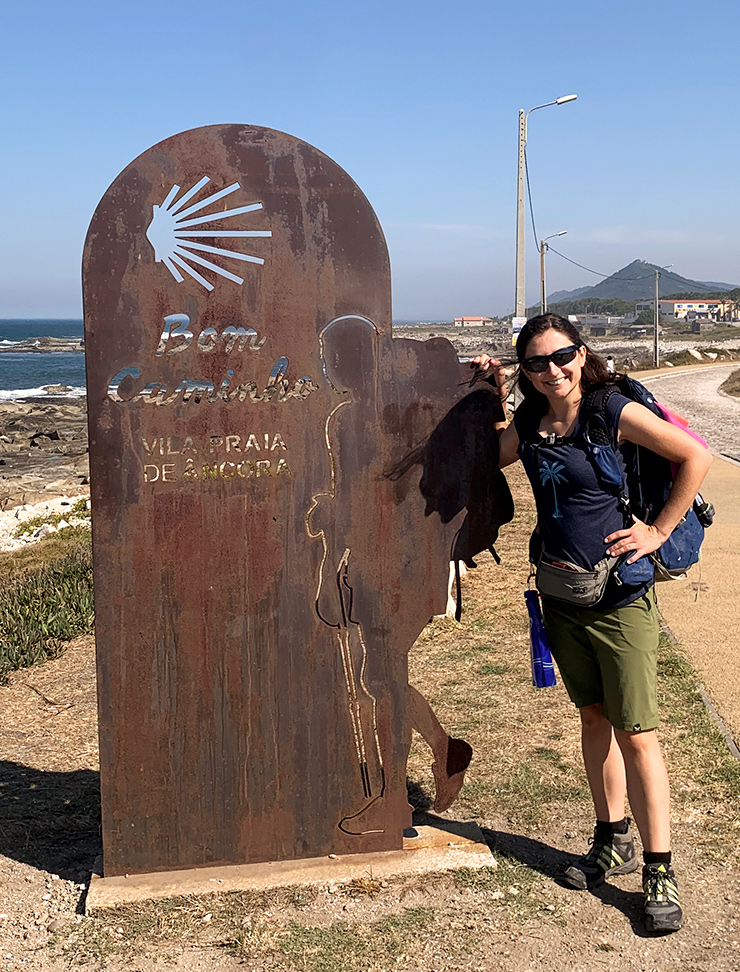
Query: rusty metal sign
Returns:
{"type": "Point", "coordinates": [260, 571]}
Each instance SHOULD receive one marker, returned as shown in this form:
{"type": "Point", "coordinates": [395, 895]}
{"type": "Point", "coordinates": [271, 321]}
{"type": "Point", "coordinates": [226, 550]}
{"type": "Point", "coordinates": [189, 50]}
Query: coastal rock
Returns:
{"type": "Point", "coordinates": [44, 447]}
{"type": "Point", "coordinates": [43, 345]}
{"type": "Point", "coordinates": [44, 531]}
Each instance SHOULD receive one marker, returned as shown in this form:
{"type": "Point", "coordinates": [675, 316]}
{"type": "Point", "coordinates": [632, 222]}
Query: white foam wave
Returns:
{"type": "Point", "coordinates": [18, 394]}
{"type": "Point", "coordinates": [9, 343]}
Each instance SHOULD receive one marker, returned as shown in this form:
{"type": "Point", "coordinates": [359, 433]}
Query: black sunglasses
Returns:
{"type": "Point", "coordinates": [541, 362]}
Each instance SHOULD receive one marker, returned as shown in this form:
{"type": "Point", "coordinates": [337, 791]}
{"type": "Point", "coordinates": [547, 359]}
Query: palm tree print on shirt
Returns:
{"type": "Point", "coordinates": [550, 472]}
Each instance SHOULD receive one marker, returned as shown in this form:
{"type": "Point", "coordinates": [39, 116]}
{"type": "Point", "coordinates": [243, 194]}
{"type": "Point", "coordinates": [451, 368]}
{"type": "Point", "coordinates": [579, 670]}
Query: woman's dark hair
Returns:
{"type": "Point", "coordinates": [594, 371]}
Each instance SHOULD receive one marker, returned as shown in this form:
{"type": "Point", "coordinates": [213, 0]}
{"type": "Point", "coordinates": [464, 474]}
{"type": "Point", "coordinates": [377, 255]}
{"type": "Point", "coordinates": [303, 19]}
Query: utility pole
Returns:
{"type": "Point", "coordinates": [543, 289]}
{"type": "Point", "coordinates": [656, 339]}
{"type": "Point", "coordinates": [656, 332]}
{"type": "Point", "coordinates": [519, 302]}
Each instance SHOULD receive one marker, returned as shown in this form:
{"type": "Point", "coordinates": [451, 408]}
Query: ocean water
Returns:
{"type": "Point", "coordinates": [23, 375]}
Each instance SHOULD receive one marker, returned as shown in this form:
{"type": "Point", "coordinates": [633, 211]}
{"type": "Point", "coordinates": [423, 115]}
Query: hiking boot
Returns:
{"type": "Point", "coordinates": [662, 910]}
{"type": "Point", "coordinates": [614, 854]}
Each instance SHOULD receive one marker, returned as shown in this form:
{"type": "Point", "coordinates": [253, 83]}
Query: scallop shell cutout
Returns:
{"type": "Point", "coordinates": [174, 233]}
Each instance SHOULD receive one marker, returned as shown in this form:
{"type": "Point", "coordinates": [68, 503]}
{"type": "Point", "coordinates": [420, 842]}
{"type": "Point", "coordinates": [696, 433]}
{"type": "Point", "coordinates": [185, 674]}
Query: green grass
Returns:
{"type": "Point", "coordinates": [283, 929]}
{"type": "Point", "coordinates": [526, 773]}
{"type": "Point", "coordinates": [705, 776]}
{"type": "Point", "coordinates": [697, 745]}
{"type": "Point", "coordinates": [531, 788]}
{"type": "Point", "coordinates": [510, 886]}
{"type": "Point", "coordinates": [43, 608]}
{"type": "Point", "coordinates": [77, 511]}
{"type": "Point", "coordinates": [494, 668]}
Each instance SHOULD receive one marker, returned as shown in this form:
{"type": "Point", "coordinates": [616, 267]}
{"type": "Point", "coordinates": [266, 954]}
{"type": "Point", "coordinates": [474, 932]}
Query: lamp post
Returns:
{"type": "Point", "coordinates": [656, 333]}
{"type": "Point", "coordinates": [520, 299]}
{"type": "Point", "coordinates": [543, 248]}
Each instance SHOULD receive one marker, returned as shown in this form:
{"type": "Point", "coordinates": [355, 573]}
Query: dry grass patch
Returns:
{"type": "Point", "coordinates": [264, 926]}
{"type": "Point", "coordinates": [526, 787]}
{"type": "Point", "coordinates": [705, 776]}
{"type": "Point", "coordinates": [732, 384]}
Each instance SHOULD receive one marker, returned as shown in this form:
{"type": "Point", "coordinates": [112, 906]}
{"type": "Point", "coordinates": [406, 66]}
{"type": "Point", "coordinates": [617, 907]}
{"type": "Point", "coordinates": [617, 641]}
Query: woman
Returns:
{"type": "Point", "coordinates": [607, 653]}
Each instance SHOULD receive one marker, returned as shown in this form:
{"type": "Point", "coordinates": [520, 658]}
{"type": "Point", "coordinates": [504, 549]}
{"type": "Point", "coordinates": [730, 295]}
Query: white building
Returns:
{"type": "Point", "coordinates": [472, 321]}
{"type": "Point", "coordinates": [709, 308]}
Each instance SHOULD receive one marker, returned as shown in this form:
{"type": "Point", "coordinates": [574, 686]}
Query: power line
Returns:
{"type": "Point", "coordinates": [529, 194]}
{"type": "Point", "coordinates": [587, 269]}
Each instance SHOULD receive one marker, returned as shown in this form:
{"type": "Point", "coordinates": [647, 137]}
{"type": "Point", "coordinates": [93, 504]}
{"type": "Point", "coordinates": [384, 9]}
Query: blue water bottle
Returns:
{"type": "Point", "coordinates": [543, 670]}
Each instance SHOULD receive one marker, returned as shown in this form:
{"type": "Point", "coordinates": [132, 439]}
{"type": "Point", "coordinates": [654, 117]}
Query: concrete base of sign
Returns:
{"type": "Point", "coordinates": [436, 845]}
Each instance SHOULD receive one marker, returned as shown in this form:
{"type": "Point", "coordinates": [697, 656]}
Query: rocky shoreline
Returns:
{"type": "Point", "coordinates": [43, 450]}
{"type": "Point", "coordinates": [44, 345]}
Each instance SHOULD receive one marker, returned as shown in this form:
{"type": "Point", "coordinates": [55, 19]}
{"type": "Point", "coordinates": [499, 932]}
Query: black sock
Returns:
{"type": "Point", "coordinates": [651, 857]}
{"type": "Point", "coordinates": [605, 828]}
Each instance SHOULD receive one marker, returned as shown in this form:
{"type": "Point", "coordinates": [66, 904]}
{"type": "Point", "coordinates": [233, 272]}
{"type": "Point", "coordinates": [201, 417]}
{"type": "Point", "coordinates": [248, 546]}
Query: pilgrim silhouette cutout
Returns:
{"type": "Point", "coordinates": [459, 460]}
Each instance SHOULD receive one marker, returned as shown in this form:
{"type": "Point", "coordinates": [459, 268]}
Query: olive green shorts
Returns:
{"type": "Point", "coordinates": [609, 657]}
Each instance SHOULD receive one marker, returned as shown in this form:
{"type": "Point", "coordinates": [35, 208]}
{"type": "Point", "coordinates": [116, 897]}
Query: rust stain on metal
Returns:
{"type": "Point", "coordinates": [259, 577]}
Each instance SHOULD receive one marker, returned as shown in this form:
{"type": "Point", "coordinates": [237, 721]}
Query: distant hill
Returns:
{"type": "Point", "coordinates": [567, 294]}
{"type": "Point", "coordinates": [636, 281]}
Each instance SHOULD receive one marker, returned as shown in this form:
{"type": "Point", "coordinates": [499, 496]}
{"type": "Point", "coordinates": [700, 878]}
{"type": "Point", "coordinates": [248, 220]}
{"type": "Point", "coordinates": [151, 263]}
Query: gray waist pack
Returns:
{"type": "Point", "coordinates": [568, 582]}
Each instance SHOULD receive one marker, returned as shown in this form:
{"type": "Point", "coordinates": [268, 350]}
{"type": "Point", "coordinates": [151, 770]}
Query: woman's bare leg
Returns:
{"type": "Point", "coordinates": [647, 787]}
{"type": "Point", "coordinates": [604, 764]}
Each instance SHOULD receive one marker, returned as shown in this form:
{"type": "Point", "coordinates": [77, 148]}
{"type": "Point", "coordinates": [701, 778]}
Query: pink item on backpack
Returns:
{"type": "Point", "coordinates": [674, 419]}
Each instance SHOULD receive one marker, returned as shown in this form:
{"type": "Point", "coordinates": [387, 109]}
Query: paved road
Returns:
{"type": "Point", "coordinates": [712, 414]}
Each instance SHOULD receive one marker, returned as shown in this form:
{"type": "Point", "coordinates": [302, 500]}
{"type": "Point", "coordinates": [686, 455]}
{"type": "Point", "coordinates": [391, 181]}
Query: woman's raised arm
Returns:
{"type": "Point", "coordinates": [508, 438]}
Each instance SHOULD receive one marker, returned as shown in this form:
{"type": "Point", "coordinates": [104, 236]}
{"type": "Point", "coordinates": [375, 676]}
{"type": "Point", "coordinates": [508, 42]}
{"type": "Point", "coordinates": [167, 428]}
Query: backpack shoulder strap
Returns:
{"type": "Point", "coordinates": [602, 441]}
{"type": "Point", "coordinates": [594, 423]}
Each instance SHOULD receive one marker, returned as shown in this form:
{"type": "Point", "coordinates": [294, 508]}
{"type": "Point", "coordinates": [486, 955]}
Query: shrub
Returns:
{"type": "Point", "coordinates": [44, 608]}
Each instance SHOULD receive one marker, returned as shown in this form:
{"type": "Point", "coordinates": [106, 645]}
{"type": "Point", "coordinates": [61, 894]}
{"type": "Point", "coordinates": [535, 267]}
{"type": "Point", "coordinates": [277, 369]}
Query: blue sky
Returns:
{"type": "Point", "coordinates": [418, 101]}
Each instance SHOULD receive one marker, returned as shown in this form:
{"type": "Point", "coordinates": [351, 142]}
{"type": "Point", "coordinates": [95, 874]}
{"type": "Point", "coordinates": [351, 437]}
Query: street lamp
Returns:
{"type": "Point", "coordinates": [656, 340]}
{"type": "Point", "coordinates": [543, 248]}
{"type": "Point", "coordinates": [520, 299]}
